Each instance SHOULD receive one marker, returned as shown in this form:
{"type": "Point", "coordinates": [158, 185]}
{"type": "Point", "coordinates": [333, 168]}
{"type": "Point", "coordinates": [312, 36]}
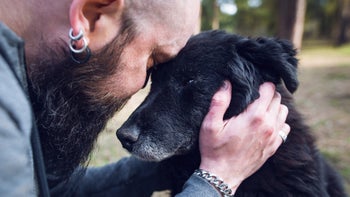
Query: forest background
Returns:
{"type": "Point", "coordinates": [320, 30]}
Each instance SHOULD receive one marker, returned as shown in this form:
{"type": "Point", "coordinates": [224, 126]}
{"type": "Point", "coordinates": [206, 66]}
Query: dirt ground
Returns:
{"type": "Point", "coordinates": [323, 98]}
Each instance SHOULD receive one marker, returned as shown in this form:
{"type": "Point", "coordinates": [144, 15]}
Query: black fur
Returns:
{"type": "Point", "coordinates": [166, 125]}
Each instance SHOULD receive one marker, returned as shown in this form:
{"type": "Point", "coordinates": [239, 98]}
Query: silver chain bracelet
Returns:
{"type": "Point", "coordinates": [222, 187]}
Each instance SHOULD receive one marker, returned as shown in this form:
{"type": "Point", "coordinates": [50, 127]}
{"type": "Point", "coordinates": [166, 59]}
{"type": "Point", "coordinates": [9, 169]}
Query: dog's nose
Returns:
{"type": "Point", "coordinates": [128, 136]}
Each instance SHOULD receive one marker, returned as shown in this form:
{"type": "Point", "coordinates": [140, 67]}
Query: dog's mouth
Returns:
{"type": "Point", "coordinates": [152, 148]}
{"type": "Point", "coordinates": [151, 152]}
{"type": "Point", "coordinates": [141, 146]}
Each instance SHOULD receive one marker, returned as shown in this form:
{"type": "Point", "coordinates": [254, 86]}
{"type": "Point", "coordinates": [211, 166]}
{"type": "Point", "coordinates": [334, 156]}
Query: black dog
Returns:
{"type": "Point", "coordinates": [166, 125]}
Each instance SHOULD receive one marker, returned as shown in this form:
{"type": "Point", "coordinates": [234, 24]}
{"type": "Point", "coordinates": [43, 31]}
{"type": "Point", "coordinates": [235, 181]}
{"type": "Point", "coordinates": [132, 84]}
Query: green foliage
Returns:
{"type": "Point", "coordinates": [207, 14]}
{"type": "Point", "coordinates": [255, 20]}
{"type": "Point", "coordinates": [321, 20]}
{"type": "Point", "coordinates": [247, 21]}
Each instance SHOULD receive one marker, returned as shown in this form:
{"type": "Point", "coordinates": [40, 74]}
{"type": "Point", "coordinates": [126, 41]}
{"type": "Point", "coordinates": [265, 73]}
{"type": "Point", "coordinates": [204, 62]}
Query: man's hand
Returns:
{"type": "Point", "coordinates": [236, 148]}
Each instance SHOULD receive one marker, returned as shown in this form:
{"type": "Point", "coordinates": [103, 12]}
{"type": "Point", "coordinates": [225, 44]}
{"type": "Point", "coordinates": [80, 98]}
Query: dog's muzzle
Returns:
{"type": "Point", "coordinates": [128, 137]}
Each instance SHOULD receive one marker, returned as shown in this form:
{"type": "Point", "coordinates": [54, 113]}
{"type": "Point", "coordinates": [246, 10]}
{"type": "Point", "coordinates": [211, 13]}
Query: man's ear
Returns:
{"type": "Point", "coordinates": [100, 20]}
{"type": "Point", "coordinates": [274, 58]}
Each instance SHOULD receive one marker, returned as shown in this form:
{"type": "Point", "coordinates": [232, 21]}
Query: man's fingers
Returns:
{"type": "Point", "coordinates": [266, 91]}
{"type": "Point", "coordinates": [218, 107]}
{"type": "Point", "coordinates": [284, 132]}
{"type": "Point", "coordinates": [282, 135]}
{"type": "Point", "coordinates": [274, 107]}
{"type": "Point", "coordinates": [282, 115]}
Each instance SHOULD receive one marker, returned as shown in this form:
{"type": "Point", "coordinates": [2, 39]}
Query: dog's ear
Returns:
{"type": "Point", "coordinates": [274, 58]}
{"type": "Point", "coordinates": [254, 61]}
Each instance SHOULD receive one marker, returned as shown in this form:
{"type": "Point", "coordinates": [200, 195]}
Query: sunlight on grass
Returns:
{"type": "Point", "coordinates": [327, 50]}
{"type": "Point", "coordinates": [345, 49]}
{"type": "Point", "coordinates": [322, 55]}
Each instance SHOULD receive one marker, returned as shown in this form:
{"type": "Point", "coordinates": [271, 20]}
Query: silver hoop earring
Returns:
{"type": "Point", "coordinates": [77, 52]}
{"type": "Point", "coordinates": [81, 60]}
{"type": "Point", "coordinates": [77, 37]}
{"type": "Point", "coordinates": [74, 50]}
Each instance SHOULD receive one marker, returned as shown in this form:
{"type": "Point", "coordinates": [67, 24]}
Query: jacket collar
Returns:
{"type": "Point", "coordinates": [12, 50]}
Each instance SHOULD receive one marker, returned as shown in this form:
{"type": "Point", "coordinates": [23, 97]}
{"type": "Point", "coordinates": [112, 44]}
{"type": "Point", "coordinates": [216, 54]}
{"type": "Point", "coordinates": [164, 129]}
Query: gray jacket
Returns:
{"type": "Point", "coordinates": [127, 177]}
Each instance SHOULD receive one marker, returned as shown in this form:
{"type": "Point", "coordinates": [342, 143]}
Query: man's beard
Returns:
{"type": "Point", "coordinates": [71, 108]}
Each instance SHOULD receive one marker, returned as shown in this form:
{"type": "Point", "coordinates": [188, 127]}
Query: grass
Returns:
{"type": "Point", "coordinates": [323, 97]}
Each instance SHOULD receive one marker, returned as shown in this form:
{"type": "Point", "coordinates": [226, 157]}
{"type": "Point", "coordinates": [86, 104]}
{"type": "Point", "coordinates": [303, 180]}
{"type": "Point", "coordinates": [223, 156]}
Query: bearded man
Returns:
{"type": "Point", "coordinates": [83, 60]}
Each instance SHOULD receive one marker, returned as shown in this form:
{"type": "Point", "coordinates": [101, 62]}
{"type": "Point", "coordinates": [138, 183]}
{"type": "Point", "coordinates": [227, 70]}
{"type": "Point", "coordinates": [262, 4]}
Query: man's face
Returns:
{"type": "Point", "coordinates": [147, 49]}
{"type": "Point", "coordinates": [72, 103]}
{"type": "Point", "coordinates": [158, 39]}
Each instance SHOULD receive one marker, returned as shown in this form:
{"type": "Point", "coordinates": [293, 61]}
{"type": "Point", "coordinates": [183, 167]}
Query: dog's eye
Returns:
{"type": "Point", "coordinates": [188, 82]}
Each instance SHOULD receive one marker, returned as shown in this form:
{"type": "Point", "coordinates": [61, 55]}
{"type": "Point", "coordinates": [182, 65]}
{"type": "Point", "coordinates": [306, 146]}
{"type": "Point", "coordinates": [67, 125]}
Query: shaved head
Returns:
{"type": "Point", "coordinates": [160, 12]}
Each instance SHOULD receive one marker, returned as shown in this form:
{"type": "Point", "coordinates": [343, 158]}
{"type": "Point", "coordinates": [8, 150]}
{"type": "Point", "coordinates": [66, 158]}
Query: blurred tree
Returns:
{"type": "Point", "coordinates": [291, 20]}
{"type": "Point", "coordinates": [254, 17]}
{"type": "Point", "coordinates": [210, 14]}
{"type": "Point", "coordinates": [344, 23]}
{"type": "Point", "coordinates": [216, 12]}
{"type": "Point", "coordinates": [322, 18]}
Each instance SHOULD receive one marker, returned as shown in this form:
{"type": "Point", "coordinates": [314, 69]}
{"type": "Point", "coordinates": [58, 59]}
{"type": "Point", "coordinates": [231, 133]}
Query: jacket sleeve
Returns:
{"type": "Point", "coordinates": [198, 187]}
{"type": "Point", "coordinates": [129, 177]}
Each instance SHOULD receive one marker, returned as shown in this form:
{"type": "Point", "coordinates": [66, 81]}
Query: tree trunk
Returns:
{"type": "Point", "coordinates": [291, 20]}
{"type": "Point", "coordinates": [216, 12]}
{"type": "Point", "coordinates": [344, 23]}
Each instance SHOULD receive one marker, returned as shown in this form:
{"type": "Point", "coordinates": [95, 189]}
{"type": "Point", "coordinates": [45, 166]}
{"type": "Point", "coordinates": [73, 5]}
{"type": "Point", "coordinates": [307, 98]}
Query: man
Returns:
{"type": "Point", "coordinates": [77, 82]}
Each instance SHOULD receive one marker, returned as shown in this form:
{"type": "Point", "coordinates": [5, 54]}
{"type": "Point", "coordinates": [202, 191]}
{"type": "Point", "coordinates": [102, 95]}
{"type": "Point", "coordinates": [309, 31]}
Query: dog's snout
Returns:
{"type": "Point", "coordinates": [128, 136]}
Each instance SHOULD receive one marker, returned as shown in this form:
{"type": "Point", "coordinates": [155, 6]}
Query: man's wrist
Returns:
{"type": "Point", "coordinates": [215, 181]}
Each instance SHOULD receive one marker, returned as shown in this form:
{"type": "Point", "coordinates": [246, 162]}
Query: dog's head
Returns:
{"type": "Point", "coordinates": [168, 121]}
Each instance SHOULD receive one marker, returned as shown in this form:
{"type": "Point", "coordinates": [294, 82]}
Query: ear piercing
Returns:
{"type": "Point", "coordinates": [74, 51]}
